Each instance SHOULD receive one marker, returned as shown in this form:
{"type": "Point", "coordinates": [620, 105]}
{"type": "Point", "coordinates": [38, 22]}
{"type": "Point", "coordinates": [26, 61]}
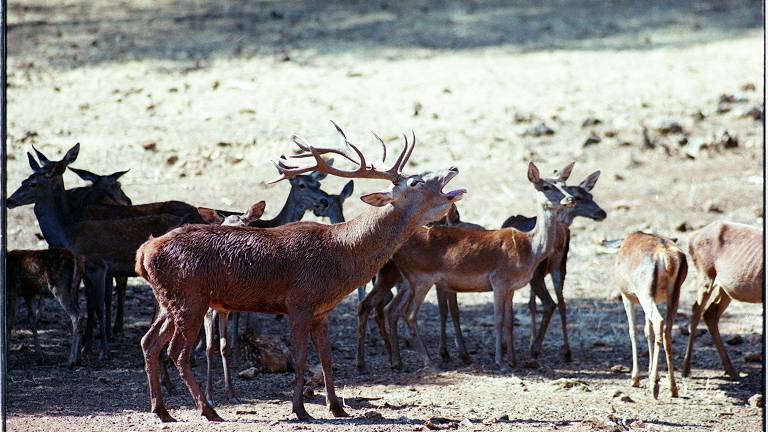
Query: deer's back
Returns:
{"type": "Point", "coordinates": [32, 272]}
{"type": "Point", "coordinates": [248, 269]}
{"type": "Point", "coordinates": [649, 262]}
{"type": "Point", "coordinates": [732, 255]}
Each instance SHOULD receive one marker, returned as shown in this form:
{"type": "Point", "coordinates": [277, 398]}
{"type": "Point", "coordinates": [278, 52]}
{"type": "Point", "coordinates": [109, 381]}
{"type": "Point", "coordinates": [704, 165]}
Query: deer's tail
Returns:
{"type": "Point", "coordinates": [140, 267]}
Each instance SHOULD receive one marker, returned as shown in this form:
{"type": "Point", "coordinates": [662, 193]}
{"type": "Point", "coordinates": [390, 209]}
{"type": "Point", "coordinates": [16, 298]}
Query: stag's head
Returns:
{"type": "Point", "coordinates": [46, 177]}
{"type": "Point", "coordinates": [107, 186]}
{"type": "Point", "coordinates": [552, 193]}
{"type": "Point", "coordinates": [420, 194]}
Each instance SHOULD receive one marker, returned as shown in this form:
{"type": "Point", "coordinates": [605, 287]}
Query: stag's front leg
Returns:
{"type": "Point", "coordinates": [323, 348]}
{"type": "Point", "coordinates": [442, 303]}
{"type": "Point", "coordinates": [300, 328]}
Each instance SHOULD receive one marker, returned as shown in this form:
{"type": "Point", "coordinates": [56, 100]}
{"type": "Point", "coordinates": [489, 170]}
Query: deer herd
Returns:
{"type": "Point", "coordinates": [207, 266]}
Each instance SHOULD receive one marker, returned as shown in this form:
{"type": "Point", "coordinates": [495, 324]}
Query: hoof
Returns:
{"type": "Point", "coordinates": [567, 356]}
{"type": "Point", "coordinates": [164, 416]}
{"type": "Point", "coordinates": [338, 412]}
{"type": "Point", "coordinates": [655, 390]}
{"type": "Point", "coordinates": [398, 367]}
{"type": "Point", "coordinates": [104, 356]}
{"type": "Point", "coordinates": [211, 415]}
{"type": "Point", "coordinates": [466, 359]}
{"type": "Point", "coordinates": [634, 381]}
{"type": "Point", "coordinates": [303, 415]}
{"type": "Point", "coordinates": [673, 392]}
{"type": "Point", "coordinates": [362, 369]}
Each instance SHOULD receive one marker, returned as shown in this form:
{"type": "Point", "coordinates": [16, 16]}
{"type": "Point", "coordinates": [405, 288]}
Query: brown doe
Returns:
{"type": "Point", "coordinates": [729, 258]}
{"type": "Point", "coordinates": [649, 271]}
{"type": "Point", "coordinates": [32, 274]}
{"type": "Point", "coordinates": [468, 260]}
{"type": "Point", "coordinates": [302, 269]}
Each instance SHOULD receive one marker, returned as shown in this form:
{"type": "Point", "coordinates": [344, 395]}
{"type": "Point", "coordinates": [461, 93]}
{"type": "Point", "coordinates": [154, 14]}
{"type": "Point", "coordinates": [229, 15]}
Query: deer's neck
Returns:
{"type": "Point", "coordinates": [291, 212]}
{"type": "Point", "coordinates": [543, 234]}
{"type": "Point", "coordinates": [54, 216]}
{"type": "Point", "coordinates": [373, 237]}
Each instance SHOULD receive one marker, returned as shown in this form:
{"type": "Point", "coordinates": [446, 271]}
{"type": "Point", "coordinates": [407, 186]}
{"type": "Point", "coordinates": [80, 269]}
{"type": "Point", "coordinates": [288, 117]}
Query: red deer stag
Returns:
{"type": "Point", "coordinates": [650, 270]}
{"type": "Point", "coordinates": [302, 269]}
{"type": "Point", "coordinates": [729, 258]}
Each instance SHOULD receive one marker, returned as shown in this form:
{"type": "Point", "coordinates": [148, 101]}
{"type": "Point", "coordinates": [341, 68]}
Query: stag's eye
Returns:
{"type": "Point", "coordinates": [302, 186]}
{"type": "Point", "coordinates": [413, 182]}
{"type": "Point", "coordinates": [546, 187]}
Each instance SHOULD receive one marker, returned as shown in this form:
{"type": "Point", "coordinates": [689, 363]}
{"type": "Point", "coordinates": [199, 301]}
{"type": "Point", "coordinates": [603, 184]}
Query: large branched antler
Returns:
{"type": "Point", "coordinates": [364, 170]}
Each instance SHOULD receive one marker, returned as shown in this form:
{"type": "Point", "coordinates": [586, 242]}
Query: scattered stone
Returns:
{"type": "Point", "coordinates": [249, 373]}
{"type": "Point", "coordinates": [172, 159]}
{"type": "Point", "coordinates": [611, 133]}
{"type": "Point", "coordinates": [723, 108]}
{"type": "Point", "coordinates": [417, 107]}
{"type": "Point", "coordinates": [698, 116]}
{"type": "Point", "coordinates": [150, 146]}
{"type": "Point", "coordinates": [748, 87]}
{"type": "Point", "coordinates": [591, 121]}
{"type": "Point", "coordinates": [103, 380]}
{"type": "Point", "coordinates": [713, 207]}
{"type": "Point", "coordinates": [727, 141]}
{"type": "Point", "coordinates": [618, 177]}
{"type": "Point", "coordinates": [619, 369]}
{"type": "Point", "coordinates": [274, 423]}
{"type": "Point", "coordinates": [684, 227]}
{"type": "Point", "coordinates": [756, 113]}
{"type": "Point", "coordinates": [625, 398]}
{"type": "Point", "coordinates": [571, 384]}
{"type": "Point", "coordinates": [756, 401]}
{"type": "Point", "coordinates": [523, 117]}
{"type": "Point", "coordinates": [754, 357]}
{"type": "Point", "coordinates": [648, 141]}
{"type": "Point", "coordinates": [670, 127]}
{"type": "Point", "coordinates": [539, 130]}
{"type": "Point", "coordinates": [729, 98]}
{"type": "Point", "coordinates": [373, 415]}
{"type": "Point", "coordinates": [467, 423]}
{"type": "Point", "coordinates": [592, 139]}
{"type": "Point", "coordinates": [735, 340]}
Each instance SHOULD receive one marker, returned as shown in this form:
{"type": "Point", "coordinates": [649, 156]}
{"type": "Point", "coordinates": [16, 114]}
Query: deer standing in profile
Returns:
{"type": "Point", "coordinates": [649, 271]}
{"type": "Point", "coordinates": [33, 274]}
{"type": "Point", "coordinates": [468, 260]}
{"type": "Point", "coordinates": [108, 246]}
{"type": "Point", "coordinates": [302, 269]}
{"type": "Point", "coordinates": [729, 258]}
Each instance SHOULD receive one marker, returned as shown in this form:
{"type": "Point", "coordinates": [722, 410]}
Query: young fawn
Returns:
{"type": "Point", "coordinates": [469, 260]}
{"type": "Point", "coordinates": [650, 270]}
{"type": "Point", "coordinates": [302, 269]}
{"type": "Point", "coordinates": [729, 258]}
{"type": "Point", "coordinates": [32, 274]}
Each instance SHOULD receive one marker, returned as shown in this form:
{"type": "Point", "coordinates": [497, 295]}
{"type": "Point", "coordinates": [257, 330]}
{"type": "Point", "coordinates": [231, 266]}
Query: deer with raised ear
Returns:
{"type": "Point", "coordinates": [730, 261]}
{"type": "Point", "coordinates": [302, 269]}
{"type": "Point", "coordinates": [649, 271]}
{"type": "Point", "coordinates": [469, 260]}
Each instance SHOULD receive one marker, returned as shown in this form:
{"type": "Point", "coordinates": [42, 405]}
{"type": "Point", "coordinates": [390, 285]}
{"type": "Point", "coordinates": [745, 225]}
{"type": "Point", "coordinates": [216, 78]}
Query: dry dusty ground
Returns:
{"type": "Point", "coordinates": [222, 87]}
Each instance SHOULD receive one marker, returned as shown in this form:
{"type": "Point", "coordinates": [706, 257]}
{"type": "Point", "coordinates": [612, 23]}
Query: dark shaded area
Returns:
{"type": "Point", "coordinates": [597, 329]}
{"type": "Point", "coordinates": [72, 35]}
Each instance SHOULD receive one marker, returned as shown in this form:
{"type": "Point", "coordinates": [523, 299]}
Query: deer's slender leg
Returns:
{"type": "Point", "coordinates": [453, 307]}
{"type": "Point", "coordinates": [649, 338]}
{"type": "Point", "coordinates": [94, 279]}
{"type": "Point", "coordinates": [411, 318]}
{"type": "Point", "coordinates": [629, 308]}
{"type": "Point", "coordinates": [442, 303]}
{"type": "Point", "coordinates": [672, 303]}
{"type": "Point", "coordinates": [323, 348]}
{"type": "Point", "coordinates": [234, 329]}
{"type": "Point", "coordinates": [374, 299]}
{"type": "Point", "coordinates": [393, 310]}
{"type": "Point", "coordinates": [654, 334]}
{"type": "Point", "coordinates": [108, 304]}
{"type": "Point", "coordinates": [32, 316]}
{"type": "Point", "coordinates": [697, 311]}
{"type": "Point", "coordinates": [712, 318]}
{"type": "Point", "coordinates": [539, 289]}
{"type": "Point", "coordinates": [180, 349]}
{"type": "Point", "coordinates": [381, 322]}
{"type": "Point", "coordinates": [300, 328]}
{"type": "Point", "coordinates": [73, 312]}
{"type": "Point", "coordinates": [121, 285]}
{"type": "Point", "coordinates": [209, 325]}
{"type": "Point", "coordinates": [226, 358]}
{"type": "Point", "coordinates": [509, 326]}
{"type": "Point", "coordinates": [499, 297]}
{"type": "Point", "coordinates": [152, 344]}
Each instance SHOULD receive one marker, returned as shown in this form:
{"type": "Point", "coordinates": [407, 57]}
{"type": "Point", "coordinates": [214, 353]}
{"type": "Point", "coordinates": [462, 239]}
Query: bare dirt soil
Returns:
{"type": "Point", "coordinates": [195, 97]}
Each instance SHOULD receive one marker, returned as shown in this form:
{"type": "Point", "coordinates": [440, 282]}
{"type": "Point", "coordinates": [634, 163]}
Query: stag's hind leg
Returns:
{"type": "Point", "coordinates": [152, 344]}
{"type": "Point", "coordinates": [629, 308]}
{"type": "Point", "coordinates": [180, 349]}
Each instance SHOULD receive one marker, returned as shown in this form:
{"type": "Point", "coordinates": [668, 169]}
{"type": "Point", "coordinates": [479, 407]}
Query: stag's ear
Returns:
{"type": "Point", "coordinates": [116, 175]}
{"type": "Point", "coordinates": [71, 155]}
{"type": "Point", "coordinates": [32, 162]}
{"type": "Point", "coordinates": [377, 199]}
{"type": "Point", "coordinates": [533, 173]}
{"type": "Point", "coordinates": [85, 174]}
{"type": "Point", "coordinates": [566, 172]}
{"type": "Point", "coordinates": [453, 217]}
{"type": "Point", "coordinates": [346, 192]}
{"type": "Point", "coordinates": [210, 216]}
{"type": "Point", "coordinates": [590, 181]}
{"type": "Point", "coordinates": [255, 212]}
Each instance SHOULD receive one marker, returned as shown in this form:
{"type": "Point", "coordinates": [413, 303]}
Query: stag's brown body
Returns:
{"type": "Point", "coordinates": [729, 257]}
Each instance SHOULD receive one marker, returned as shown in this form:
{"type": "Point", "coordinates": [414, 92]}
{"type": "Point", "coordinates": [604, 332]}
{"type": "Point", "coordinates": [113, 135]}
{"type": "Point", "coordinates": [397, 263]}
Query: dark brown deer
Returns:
{"type": "Point", "coordinates": [108, 246]}
{"type": "Point", "coordinates": [650, 270]}
{"type": "Point", "coordinates": [469, 260]}
{"type": "Point", "coordinates": [33, 274]}
{"type": "Point", "coordinates": [730, 261]}
{"type": "Point", "coordinates": [302, 269]}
